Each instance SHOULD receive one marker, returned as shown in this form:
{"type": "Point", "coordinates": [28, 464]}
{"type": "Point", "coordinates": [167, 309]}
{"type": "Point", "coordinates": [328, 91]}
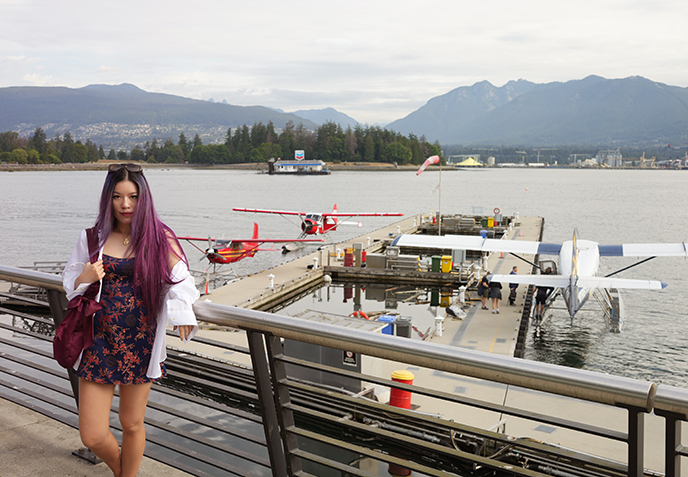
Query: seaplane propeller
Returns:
{"type": "Point", "coordinates": [308, 225]}
{"type": "Point", "coordinates": [210, 251]}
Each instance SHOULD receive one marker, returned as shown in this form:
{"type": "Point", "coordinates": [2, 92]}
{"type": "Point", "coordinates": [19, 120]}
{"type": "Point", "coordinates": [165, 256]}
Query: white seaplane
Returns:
{"type": "Point", "coordinates": [576, 275]}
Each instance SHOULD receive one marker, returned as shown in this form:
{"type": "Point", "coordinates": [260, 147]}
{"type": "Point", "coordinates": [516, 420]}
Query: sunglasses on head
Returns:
{"type": "Point", "coordinates": [130, 167]}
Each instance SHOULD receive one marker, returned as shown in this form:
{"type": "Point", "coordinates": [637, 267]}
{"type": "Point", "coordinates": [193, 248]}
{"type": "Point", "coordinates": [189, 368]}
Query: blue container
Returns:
{"type": "Point", "coordinates": [389, 329]}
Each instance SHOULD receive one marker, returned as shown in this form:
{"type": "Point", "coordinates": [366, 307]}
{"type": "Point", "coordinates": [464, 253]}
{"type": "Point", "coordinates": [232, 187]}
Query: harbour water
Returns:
{"type": "Point", "coordinates": [42, 213]}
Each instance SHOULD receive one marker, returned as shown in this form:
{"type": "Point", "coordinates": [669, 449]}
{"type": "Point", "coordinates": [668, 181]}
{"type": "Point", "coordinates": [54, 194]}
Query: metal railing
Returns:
{"type": "Point", "coordinates": [294, 411]}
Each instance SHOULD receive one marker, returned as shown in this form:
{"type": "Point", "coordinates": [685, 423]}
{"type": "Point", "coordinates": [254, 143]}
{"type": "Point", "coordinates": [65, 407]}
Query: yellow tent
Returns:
{"type": "Point", "coordinates": [470, 162]}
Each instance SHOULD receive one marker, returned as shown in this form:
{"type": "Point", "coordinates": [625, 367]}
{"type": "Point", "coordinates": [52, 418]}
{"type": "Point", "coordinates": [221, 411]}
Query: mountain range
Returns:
{"type": "Point", "coordinates": [123, 115]}
{"type": "Point", "coordinates": [592, 111]}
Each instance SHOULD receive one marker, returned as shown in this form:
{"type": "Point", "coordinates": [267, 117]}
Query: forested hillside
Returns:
{"type": "Point", "coordinates": [256, 144]}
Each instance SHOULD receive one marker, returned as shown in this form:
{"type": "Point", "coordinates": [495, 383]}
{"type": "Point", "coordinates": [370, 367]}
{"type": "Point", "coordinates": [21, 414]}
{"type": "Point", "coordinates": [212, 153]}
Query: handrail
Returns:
{"type": "Point", "coordinates": [671, 399]}
{"type": "Point", "coordinates": [48, 281]}
{"type": "Point", "coordinates": [576, 383]}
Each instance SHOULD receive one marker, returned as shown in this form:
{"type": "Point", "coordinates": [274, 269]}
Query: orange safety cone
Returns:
{"type": "Point", "coordinates": [520, 234]}
{"type": "Point", "coordinates": [501, 254]}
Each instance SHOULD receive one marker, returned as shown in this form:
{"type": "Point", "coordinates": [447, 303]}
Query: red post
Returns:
{"type": "Point", "coordinates": [399, 397]}
{"type": "Point", "coordinates": [348, 258]}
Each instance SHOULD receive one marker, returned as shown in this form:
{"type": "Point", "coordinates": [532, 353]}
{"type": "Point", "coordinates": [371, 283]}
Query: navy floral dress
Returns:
{"type": "Point", "coordinates": [123, 333]}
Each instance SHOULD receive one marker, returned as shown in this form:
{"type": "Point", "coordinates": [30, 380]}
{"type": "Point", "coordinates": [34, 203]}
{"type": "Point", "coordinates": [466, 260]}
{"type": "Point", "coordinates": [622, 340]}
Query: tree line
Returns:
{"type": "Point", "coordinates": [259, 143]}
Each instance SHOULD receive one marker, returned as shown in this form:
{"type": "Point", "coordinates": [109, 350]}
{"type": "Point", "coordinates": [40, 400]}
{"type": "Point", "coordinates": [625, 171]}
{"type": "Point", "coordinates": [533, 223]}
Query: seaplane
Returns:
{"type": "Point", "coordinates": [320, 224]}
{"type": "Point", "coordinates": [575, 277]}
{"type": "Point", "coordinates": [222, 252]}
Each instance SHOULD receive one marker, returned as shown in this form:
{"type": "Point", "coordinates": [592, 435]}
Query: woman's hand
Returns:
{"type": "Point", "coordinates": [184, 331]}
{"type": "Point", "coordinates": [92, 272]}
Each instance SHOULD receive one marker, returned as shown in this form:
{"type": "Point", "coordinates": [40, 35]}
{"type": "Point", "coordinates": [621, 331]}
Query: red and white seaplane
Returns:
{"type": "Point", "coordinates": [321, 224]}
{"type": "Point", "coordinates": [221, 251]}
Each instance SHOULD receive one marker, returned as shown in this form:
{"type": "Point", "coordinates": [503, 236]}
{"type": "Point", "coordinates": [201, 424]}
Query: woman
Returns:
{"type": "Point", "coordinates": [484, 290]}
{"type": "Point", "coordinates": [495, 295]}
{"type": "Point", "coordinates": [145, 286]}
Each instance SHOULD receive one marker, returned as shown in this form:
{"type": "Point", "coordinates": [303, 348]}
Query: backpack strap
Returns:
{"type": "Point", "coordinates": [92, 236]}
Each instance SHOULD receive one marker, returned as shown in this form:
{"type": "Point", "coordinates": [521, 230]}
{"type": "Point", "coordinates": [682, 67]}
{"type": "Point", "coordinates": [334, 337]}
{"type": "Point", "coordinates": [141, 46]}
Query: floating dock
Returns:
{"type": "Point", "coordinates": [481, 330]}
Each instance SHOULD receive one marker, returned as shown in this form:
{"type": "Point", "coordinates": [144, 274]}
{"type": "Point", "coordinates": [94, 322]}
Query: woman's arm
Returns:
{"type": "Point", "coordinates": [79, 273]}
{"type": "Point", "coordinates": [179, 300]}
{"type": "Point", "coordinates": [92, 272]}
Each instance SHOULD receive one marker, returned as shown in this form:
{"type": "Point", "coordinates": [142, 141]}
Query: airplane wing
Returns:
{"type": "Point", "coordinates": [563, 281]}
{"type": "Point", "coordinates": [363, 214]}
{"type": "Point", "coordinates": [200, 239]}
{"type": "Point", "coordinates": [268, 211]}
{"type": "Point", "coordinates": [252, 240]}
{"type": "Point", "coordinates": [613, 282]}
{"type": "Point", "coordinates": [329, 214]}
{"type": "Point", "coordinates": [554, 281]}
{"type": "Point", "coordinates": [474, 242]}
{"type": "Point", "coordinates": [277, 240]}
{"type": "Point", "coordinates": [644, 250]}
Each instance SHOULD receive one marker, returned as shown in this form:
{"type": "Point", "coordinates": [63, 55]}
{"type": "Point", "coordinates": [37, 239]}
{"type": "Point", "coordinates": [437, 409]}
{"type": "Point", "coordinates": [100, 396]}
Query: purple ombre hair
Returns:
{"type": "Point", "coordinates": [150, 240]}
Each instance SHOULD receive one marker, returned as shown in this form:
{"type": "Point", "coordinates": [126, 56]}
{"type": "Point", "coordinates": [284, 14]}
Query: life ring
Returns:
{"type": "Point", "coordinates": [360, 314]}
{"type": "Point", "coordinates": [496, 210]}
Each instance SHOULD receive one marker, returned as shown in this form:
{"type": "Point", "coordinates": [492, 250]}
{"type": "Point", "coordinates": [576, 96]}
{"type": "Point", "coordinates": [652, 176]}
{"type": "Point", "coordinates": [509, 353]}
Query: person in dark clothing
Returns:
{"type": "Point", "coordinates": [541, 295]}
{"type": "Point", "coordinates": [484, 290]}
{"type": "Point", "coordinates": [495, 295]}
{"type": "Point", "coordinates": [513, 287]}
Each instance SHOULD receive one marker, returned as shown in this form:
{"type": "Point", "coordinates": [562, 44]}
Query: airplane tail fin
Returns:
{"type": "Point", "coordinates": [574, 285]}
{"type": "Point", "coordinates": [574, 254]}
{"type": "Point", "coordinates": [255, 230]}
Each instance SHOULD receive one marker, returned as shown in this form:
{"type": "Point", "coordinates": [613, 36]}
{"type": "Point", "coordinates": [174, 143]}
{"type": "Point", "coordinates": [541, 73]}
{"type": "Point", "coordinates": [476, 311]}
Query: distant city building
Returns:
{"type": "Point", "coordinates": [458, 158]}
{"type": "Point", "coordinates": [610, 157]}
{"type": "Point", "coordinates": [578, 158]}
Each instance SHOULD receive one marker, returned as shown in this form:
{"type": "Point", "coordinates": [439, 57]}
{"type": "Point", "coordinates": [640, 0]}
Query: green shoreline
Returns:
{"type": "Point", "coordinates": [103, 165]}
{"type": "Point", "coordinates": [361, 167]}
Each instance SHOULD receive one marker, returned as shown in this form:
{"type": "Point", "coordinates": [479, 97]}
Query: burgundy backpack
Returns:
{"type": "Point", "coordinates": [75, 333]}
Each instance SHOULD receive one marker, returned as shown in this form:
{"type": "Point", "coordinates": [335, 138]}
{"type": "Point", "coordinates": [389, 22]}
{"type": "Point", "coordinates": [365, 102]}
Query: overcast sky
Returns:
{"type": "Point", "coordinates": [376, 61]}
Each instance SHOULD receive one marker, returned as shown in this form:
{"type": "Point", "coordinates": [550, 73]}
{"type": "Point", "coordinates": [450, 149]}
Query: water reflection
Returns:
{"type": "Point", "coordinates": [418, 305]}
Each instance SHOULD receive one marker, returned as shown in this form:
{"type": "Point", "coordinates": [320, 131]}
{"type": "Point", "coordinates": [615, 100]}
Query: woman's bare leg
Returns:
{"type": "Point", "coordinates": [132, 410]}
{"type": "Point", "coordinates": [94, 422]}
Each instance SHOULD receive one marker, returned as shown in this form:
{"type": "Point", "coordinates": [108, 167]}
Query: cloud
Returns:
{"type": "Point", "coordinates": [34, 79]}
{"type": "Point", "coordinates": [107, 69]}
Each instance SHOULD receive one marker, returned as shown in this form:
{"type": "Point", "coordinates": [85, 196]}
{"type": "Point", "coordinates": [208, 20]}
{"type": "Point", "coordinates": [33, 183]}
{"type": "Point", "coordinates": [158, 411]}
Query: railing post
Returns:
{"type": "Point", "coordinates": [58, 308]}
{"type": "Point", "coordinates": [282, 399]}
{"type": "Point", "coordinates": [672, 441]}
{"type": "Point", "coordinates": [636, 441]}
{"type": "Point", "coordinates": [267, 404]}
